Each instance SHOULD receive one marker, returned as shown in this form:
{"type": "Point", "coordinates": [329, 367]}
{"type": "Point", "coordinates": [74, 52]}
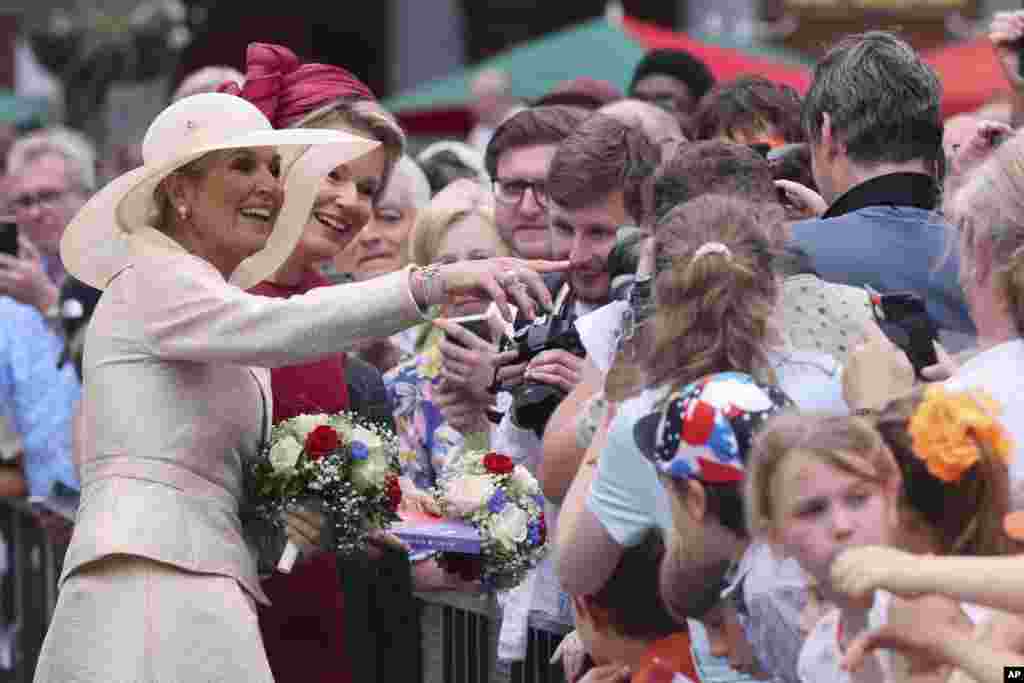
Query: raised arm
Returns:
{"type": "Point", "coordinates": [990, 581]}
{"type": "Point", "coordinates": [563, 449]}
{"type": "Point", "coordinates": [188, 312]}
{"type": "Point", "coordinates": [586, 553]}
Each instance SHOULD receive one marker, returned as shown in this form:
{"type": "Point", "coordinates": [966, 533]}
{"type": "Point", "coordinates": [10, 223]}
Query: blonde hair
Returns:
{"type": "Point", "coordinates": [991, 204]}
{"type": "Point", "coordinates": [849, 444]}
{"type": "Point", "coordinates": [712, 313]}
{"type": "Point", "coordinates": [361, 117]}
{"type": "Point", "coordinates": [461, 199]}
{"type": "Point", "coordinates": [966, 514]}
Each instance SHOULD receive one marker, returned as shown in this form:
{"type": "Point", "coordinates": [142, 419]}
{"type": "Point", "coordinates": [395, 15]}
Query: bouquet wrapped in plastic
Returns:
{"type": "Point", "coordinates": [343, 466]}
{"type": "Point", "coordinates": [503, 502]}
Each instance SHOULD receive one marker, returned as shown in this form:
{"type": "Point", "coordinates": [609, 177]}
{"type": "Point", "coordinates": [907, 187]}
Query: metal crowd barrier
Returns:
{"type": "Point", "coordinates": [460, 637]}
{"type": "Point", "coordinates": [28, 592]}
{"type": "Point", "coordinates": [459, 631]}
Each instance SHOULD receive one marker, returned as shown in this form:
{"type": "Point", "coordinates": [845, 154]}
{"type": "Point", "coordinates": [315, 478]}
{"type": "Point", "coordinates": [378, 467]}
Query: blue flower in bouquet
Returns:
{"type": "Point", "coordinates": [359, 451]}
{"type": "Point", "coordinates": [539, 500]}
{"type": "Point", "coordinates": [533, 535]}
{"type": "Point", "coordinates": [497, 502]}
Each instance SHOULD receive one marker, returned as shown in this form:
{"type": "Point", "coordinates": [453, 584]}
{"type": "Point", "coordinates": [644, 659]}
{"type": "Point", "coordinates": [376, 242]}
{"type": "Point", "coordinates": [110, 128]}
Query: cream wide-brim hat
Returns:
{"type": "Point", "coordinates": [115, 225]}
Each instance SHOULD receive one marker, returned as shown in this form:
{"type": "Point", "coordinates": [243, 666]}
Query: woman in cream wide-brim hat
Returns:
{"type": "Point", "coordinates": [159, 581]}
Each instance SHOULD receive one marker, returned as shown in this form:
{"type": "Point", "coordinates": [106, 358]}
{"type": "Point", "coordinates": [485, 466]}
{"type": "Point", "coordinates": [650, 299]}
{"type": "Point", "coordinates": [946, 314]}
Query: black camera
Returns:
{"type": "Point", "coordinates": [534, 402]}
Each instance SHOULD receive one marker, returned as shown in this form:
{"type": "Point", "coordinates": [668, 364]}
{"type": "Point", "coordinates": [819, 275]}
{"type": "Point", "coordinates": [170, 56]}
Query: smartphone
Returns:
{"type": "Point", "coordinates": [9, 238]}
{"type": "Point", "coordinates": [904, 318]}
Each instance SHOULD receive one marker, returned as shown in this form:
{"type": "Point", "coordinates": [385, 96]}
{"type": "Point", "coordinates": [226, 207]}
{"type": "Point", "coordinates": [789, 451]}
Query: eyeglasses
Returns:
{"type": "Point", "coordinates": [512, 191]}
{"type": "Point", "coordinates": [45, 199]}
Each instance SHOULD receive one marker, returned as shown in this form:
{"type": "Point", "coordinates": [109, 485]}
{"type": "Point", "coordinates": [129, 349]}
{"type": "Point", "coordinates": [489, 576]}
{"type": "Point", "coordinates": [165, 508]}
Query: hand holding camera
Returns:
{"type": "Point", "coordinates": [22, 273]}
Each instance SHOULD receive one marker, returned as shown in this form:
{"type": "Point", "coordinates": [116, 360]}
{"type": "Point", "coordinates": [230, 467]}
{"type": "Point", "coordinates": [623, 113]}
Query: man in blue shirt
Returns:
{"type": "Point", "coordinates": [873, 120]}
{"type": "Point", "coordinates": [39, 398]}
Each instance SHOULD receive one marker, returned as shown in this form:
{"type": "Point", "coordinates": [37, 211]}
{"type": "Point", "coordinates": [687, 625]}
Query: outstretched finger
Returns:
{"type": "Point", "coordinates": [545, 266]}
{"type": "Point", "coordinates": [538, 289]}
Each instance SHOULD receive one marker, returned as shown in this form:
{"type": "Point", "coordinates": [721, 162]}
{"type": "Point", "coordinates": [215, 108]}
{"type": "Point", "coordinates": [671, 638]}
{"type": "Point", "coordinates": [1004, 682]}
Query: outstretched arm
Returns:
{"type": "Point", "coordinates": [990, 581]}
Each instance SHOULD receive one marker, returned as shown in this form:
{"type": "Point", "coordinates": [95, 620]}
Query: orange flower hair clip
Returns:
{"type": "Point", "coordinates": [948, 429]}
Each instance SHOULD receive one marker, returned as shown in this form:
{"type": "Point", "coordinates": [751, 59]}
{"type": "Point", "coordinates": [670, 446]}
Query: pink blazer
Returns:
{"type": "Point", "coordinates": [175, 383]}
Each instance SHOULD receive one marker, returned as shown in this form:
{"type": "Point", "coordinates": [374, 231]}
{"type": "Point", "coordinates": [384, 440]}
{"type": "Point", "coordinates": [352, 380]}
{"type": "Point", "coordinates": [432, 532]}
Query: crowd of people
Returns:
{"type": "Point", "coordinates": [769, 390]}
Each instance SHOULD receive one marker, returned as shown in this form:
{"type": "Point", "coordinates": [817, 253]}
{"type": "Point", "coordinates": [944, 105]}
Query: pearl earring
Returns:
{"type": "Point", "coordinates": [183, 211]}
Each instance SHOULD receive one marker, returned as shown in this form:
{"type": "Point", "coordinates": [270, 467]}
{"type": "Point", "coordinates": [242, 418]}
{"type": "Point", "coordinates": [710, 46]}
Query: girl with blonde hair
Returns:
{"type": "Point", "coordinates": [931, 479]}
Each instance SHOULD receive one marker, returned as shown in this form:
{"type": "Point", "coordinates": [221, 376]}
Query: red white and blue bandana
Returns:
{"type": "Point", "coordinates": [706, 428]}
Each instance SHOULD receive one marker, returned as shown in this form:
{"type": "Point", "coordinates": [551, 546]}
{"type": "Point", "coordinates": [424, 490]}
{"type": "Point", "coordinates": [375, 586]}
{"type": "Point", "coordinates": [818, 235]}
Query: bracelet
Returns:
{"type": "Point", "coordinates": [428, 287]}
{"type": "Point", "coordinates": [866, 412]}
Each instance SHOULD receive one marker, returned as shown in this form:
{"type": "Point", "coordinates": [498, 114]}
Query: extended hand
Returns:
{"type": "Point", "coordinates": [858, 572]}
{"type": "Point", "coordinates": [503, 280]}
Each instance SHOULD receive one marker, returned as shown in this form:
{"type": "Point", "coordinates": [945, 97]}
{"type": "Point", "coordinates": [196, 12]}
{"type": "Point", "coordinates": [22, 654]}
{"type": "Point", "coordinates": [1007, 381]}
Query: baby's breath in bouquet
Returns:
{"type": "Point", "coordinates": [346, 465]}
{"type": "Point", "coordinates": [504, 502]}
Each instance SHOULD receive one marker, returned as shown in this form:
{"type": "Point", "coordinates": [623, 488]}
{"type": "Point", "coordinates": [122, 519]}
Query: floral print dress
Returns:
{"type": "Point", "coordinates": [426, 441]}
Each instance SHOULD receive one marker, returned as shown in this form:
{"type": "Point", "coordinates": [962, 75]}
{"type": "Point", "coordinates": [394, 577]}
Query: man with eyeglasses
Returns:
{"type": "Point", "coordinates": [517, 160]}
{"type": "Point", "coordinates": [51, 174]}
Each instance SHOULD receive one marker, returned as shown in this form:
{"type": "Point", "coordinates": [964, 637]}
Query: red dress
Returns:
{"type": "Point", "coordinates": [304, 630]}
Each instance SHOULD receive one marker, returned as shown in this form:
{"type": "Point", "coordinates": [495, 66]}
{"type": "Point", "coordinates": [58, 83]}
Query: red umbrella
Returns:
{"type": "Point", "coordinates": [725, 63]}
{"type": "Point", "coordinates": [970, 73]}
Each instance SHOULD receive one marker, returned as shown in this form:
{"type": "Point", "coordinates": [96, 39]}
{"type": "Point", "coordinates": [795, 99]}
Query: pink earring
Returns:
{"type": "Point", "coordinates": [183, 211]}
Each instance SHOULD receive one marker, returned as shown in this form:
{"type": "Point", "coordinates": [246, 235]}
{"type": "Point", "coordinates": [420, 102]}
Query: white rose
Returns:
{"type": "Point", "coordinates": [370, 473]}
{"type": "Point", "coordinates": [469, 494]}
{"type": "Point", "coordinates": [523, 482]}
{"type": "Point", "coordinates": [302, 425]}
{"type": "Point", "coordinates": [284, 454]}
{"type": "Point", "coordinates": [510, 526]}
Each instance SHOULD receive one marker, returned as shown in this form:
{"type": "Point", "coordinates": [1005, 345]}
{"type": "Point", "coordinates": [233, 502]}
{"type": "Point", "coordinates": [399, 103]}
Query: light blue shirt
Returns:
{"type": "Point", "coordinates": [38, 397]}
{"type": "Point", "coordinates": [626, 496]}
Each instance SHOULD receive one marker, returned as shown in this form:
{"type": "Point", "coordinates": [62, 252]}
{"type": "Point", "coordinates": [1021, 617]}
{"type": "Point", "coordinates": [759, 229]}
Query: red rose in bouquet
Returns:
{"type": "Point", "coordinates": [542, 528]}
{"type": "Point", "coordinates": [496, 463]}
{"type": "Point", "coordinates": [394, 490]}
{"type": "Point", "coordinates": [321, 441]}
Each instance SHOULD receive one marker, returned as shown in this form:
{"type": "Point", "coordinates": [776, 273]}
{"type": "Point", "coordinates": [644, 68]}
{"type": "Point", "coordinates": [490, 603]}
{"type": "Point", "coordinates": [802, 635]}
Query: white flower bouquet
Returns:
{"type": "Point", "coordinates": [504, 503]}
{"type": "Point", "coordinates": [348, 466]}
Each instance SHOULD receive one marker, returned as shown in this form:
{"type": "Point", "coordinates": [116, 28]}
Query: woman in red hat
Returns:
{"type": "Point", "coordinates": [304, 631]}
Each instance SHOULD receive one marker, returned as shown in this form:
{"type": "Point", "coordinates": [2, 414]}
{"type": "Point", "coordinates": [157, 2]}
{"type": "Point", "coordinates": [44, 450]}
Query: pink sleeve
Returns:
{"type": "Point", "coordinates": [188, 312]}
